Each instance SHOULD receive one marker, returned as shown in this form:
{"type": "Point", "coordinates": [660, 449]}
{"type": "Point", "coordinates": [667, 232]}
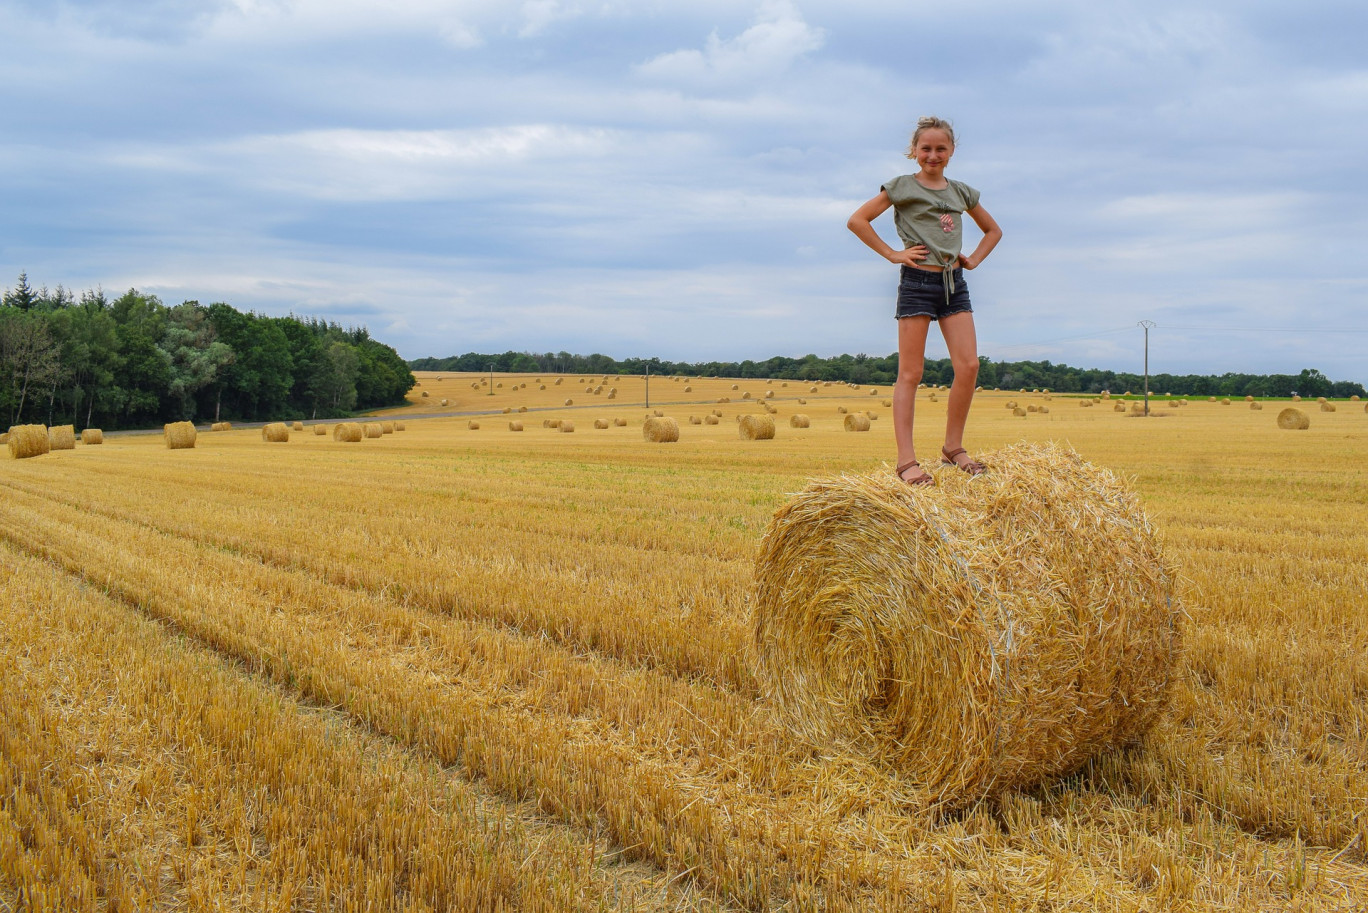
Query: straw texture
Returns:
{"type": "Point", "coordinates": [221, 426]}
{"type": "Point", "coordinates": [372, 430]}
{"type": "Point", "coordinates": [320, 429]}
{"type": "Point", "coordinates": [857, 421]}
{"type": "Point", "coordinates": [92, 436]}
{"type": "Point", "coordinates": [347, 432]}
{"type": "Point", "coordinates": [276, 432]}
{"type": "Point", "coordinates": [62, 437]}
{"type": "Point", "coordinates": [26, 441]}
{"type": "Point", "coordinates": [756, 428]}
{"type": "Point", "coordinates": [659, 430]}
{"type": "Point", "coordinates": [179, 435]}
{"type": "Point", "coordinates": [799, 420]}
{"type": "Point", "coordinates": [1293, 420]}
{"type": "Point", "coordinates": [986, 634]}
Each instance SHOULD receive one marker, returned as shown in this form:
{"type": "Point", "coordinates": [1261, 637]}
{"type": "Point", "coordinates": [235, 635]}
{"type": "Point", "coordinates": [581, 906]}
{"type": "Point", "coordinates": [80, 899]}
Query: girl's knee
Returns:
{"type": "Point", "coordinates": [909, 379]}
{"type": "Point", "coordinates": [967, 370]}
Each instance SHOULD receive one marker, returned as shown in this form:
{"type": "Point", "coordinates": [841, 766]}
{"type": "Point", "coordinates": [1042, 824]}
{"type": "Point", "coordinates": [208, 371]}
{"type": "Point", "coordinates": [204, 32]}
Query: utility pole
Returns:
{"type": "Point", "coordinates": [491, 379]}
{"type": "Point", "coordinates": [1146, 324]}
{"type": "Point", "coordinates": [648, 385]}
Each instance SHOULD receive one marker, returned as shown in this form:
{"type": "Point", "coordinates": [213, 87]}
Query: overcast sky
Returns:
{"type": "Point", "coordinates": [673, 179]}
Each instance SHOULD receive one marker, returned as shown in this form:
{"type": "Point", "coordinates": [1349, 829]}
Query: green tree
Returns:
{"type": "Point", "coordinates": [193, 353]}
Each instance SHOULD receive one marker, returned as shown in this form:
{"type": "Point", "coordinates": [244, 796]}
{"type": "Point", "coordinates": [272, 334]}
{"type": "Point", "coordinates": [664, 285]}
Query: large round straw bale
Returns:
{"type": "Point", "coordinates": [1256, 407]}
{"type": "Point", "coordinates": [1354, 398]}
{"type": "Point", "coordinates": [857, 421]}
{"type": "Point", "coordinates": [1211, 399]}
{"type": "Point", "coordinates": [472, 425]}
{"type": "Point", "coordinates": [710, 420]}
{"type": "Point", "coordinates": [1086, 404]}
{"type": "Point", "coordinates": [62, 437]}
{"type": "Point", "coordinates": [801, 401]}
{"type": "Point", "coordinates": [507, 409]}
{"type": "Point", "coordinates": [1011, 404]}
{"type": "Point", "coordinates": [221, 426]}
{"type": "Point", "coordinates": [566, 426]}
{"type": "Point", "coordinates": [387, 427]}
{"type": "Point", "coordinates": [756, 428]}
{"type": "Point", "coordinates": [1031, 407]}
{"type": "Point", "coordinates": [541, 387]}
{"type": "Point", "coordinates": [1224, 401]}
{"type": "Point", "coordinates": [1320, 399]}
{"type": "Point", "coordinates": [1327, 407]}
{"type": "Point", "coordinates": [515, 426]}
{"type": "Point", "coordinates": [522, 408]}
{"type": "Point", "coordinates": [92, 436]}
{"type": "Point", "coordinates": [179, 435]}
{"type": "Point", "coordinates": [770, 409]}
{"type": "Point", "coordinates": [297, 426]}
{"type": "Point", "coordinates": [799, 421]}
{"type": "Point", "coordinates": [1293, 420]}
{"type": "Point", "coordinates": [348, 432]}
{"type": "Point", "coordinates": [372, 430]}
{"type": "Point", "coordinates": [660, 430]}
{"type": "Point", "coordinates": [812, 389]}
{"type": "Point", "coordinates": [275, 432]}
{"type": "Point", "coordinates": [4, 438]}
{"type": "Point", "coordinates": [874, 391]}
{"type": "Point", "coordinates": [28, 441]}
{"type": "Point", "coordinates": [600, 423]}
{"type": "Point", "coordinates": [558, 381]}
{"type": "Point", "coordinates": [320, 429]}
{"type": "Point", "coordinates": [989, 636]}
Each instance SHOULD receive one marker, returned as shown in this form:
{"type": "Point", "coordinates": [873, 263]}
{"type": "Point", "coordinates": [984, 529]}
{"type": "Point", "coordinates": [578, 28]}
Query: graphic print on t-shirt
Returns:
{"type": "Point", "coordinates": [947, 222]}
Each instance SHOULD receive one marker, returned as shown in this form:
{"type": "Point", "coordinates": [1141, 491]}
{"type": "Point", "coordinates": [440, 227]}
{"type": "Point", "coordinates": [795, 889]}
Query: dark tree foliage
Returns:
{"type": "Point", "coordinates": [883, 369]}
{"type": "Point", "coordinates": [134, 362]}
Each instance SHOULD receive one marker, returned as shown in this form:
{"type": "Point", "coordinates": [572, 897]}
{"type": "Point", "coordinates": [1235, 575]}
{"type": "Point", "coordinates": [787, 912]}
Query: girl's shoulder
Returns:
{"type": "Point", "coordinates": [907, 187]}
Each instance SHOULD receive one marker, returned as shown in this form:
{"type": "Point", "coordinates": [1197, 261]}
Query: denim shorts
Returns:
{"type": "Point", "coordinates": [921, 293]}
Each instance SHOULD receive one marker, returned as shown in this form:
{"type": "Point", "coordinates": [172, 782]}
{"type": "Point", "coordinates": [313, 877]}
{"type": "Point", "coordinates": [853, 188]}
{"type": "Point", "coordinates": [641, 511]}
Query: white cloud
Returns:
{"type": "Point", "coordinates": [778, 38]}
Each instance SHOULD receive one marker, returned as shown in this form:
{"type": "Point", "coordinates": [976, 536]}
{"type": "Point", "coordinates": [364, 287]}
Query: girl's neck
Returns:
{"type": "Point", "coordinates": [937, 181]}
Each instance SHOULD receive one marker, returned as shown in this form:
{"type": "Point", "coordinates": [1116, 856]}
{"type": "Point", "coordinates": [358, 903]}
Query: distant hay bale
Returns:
{"type": "Point", "coordinates": [1249, 398]}
{"type": "Point", "coordinates": [348, 432]}
{"type": "Point", "coordinates": [711, 420]}
{"type": "Point", "coordinates": [387, 427]}
{"type": "Point", "coordinates": [1211, 399]}
{"type": "Point", "coordinates": [297, 426]}
{"type": "Point", "coordinates": [1087, 403]}
{"type": "Point", "coordinates": [769, 394]}
{"type": "Point", "coordinates": [1032, 408]}
{"type": "Point", "coordinates": [444, 402]}
{"type": "Point", "coordinates": [499, 384]}
{"type": "Point", "coordinates": [784, 384]}
{"type": "Point", "coordinates": [772, 410]}
{"type": "Point", "coordinates": [26, 441]}
{"type": "Point", "coordinates": [619, 422]}
{"type": "Point", "coordinates": [372, 430]}
{"type": "Point", "coordinates": [724, 399]}
{"type": "Point", "coordinates": [558, 381]}
{"type": "Point", "coordinates": [179, 435]}
{"type": "Point", "coordinates": [522, 409]}
{"type": "Point", "coordinates": [62, 437]}
{"type": "Point", "coordinates": [1327, 407]}
{"type": "Point", "coordinates": [841, 410]}
{"type": "Point", "coordinates": [1296, 398]}
{"type": "Point", "coordinates": [92, 436]}
{"type": "Point", "coordinates": [1018, 411]}
{"type": "Point", "coordinates": [799, 421]}
{"type": "Point", "coordinates": [569, 402]}
{"type": "Point", "coordinates": [746, 395]}
{"type": "Point", "coordinates": [221, 426]}
{"type": "Point", "coordinates": [542, 387]}
{"type": "Point", "coordinates": [907, 629]}
{"type": "Point", "coordinates": [1137, 408]}
{"type": "Point", "coordinates": [933, 398]}
{"type": "Point", "coordinates": [398, 426]}
{"type": "Point", "coordinates": [688, 389]}
{"type": "Point", "coordinates": [320, 429]}
{"type": "Point", "coordinates": [857, 421]}
{"type": "Point", "coordinates": [1119, 407]}
{"type": "Point", "coordinates": [873, 392]}
{"type": "Point", "coordinates": [1321, 399]}
{"type": "Point", "coordinates": [275, 432]}
{"type": "Point", "coordinates": [736, 386]}
{"type": "Point", "coordinates": [1256, 407]}
{"type": "Point", "coordinates": [812, 389]}
{"type": "Point", "coordinates": [1224, 401]}
{"type": "Point", "coordinates": [507, 409]}
{"type": "Point", "coordinates": [1174, 404]}
{"type": "Point", "coordinates": [888, 404]}
{"type": "Point", "coordinates": [515, 426]}
{"type": "Point", "coordinates": [717, 412]}
{"type": "Point", "coordinates": [1011, 403]}
{"type": "Point", "coordinates": [801, 401]}
{"type": "Point", "coordinates": [472, 425]}
{"type": "Point", "coordinates": [425, 393]}
{"type": "Point", "coordinates": [600, 423]}
{"type": "Point", "coordinates": [756, 428]}
{"type": "Point", "coordinates": [1043, 410]}
{"type": "Point", "coordinates": [1354, 398]}
{"type": "Point", "coordinates": [695, 420]}
{"type": "Point", "coordinates": [657, 413]}
{"type": "Point", "coordinates": [566, 426]}
{"type": "Point", "coordinates": [612, 394]}
{"type": "Point", "coordinates": [1293, 420]}
{"type": "Point", "coordinates": [660, 430]}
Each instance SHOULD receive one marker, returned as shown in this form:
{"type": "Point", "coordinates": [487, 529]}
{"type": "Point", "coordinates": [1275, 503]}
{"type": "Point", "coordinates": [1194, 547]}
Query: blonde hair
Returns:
{"type": "Point", "coordinates": [931, 122]}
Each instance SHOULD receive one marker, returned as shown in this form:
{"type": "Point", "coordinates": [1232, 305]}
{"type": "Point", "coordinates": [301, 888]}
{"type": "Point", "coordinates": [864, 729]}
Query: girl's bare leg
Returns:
{"type": "Point", "coordinates": [961, 340]}
{"type": "Point", "coordinates": [911, 359]}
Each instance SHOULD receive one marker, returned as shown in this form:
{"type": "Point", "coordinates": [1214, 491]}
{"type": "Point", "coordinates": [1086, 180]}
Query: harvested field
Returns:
{"type": "Point", "coordinates": [518, 670]}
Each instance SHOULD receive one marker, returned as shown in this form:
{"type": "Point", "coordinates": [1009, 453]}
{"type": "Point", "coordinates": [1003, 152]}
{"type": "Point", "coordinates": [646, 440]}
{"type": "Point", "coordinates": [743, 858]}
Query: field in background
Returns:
{"type": "Point", "coordinates": [457, 668]}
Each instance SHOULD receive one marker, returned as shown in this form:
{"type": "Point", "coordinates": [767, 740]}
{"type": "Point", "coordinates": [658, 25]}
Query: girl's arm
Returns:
{"type": "Point", "coordinates": [991, 236]}
{"type": "Point", "coordinates": [860, 223]}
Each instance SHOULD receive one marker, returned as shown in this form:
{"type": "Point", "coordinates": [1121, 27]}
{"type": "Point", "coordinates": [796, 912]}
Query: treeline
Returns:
{"type": "Point", "coordinates": [873, 369]}
{"type": "Point", "coordinates": [134, 362]}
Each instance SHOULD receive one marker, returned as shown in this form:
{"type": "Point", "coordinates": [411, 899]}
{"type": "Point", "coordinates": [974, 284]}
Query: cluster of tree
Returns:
{"type": "Point", "coordinates": [874, 369]}
{"type": "Point", "coordinates": [134, 362]}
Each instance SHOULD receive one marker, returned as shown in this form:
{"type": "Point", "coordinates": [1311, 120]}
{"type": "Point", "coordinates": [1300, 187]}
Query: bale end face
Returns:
{"type": "Point", "coordinates": [1293, 420]}
{"type": "Point", "coordinates": [900, 625]}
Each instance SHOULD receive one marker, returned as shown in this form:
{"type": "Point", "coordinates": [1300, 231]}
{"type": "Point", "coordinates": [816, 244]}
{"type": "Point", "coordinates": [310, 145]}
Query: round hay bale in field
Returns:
{"type": "Point", "coordinates": [772, 410]}
{"type": "Point", "coordinates": [348, 432]}
{"type": "Point", "coordinates": [1011, 404]}
{"type": "Point", "coordinates": [499, 384]}
{"type": "Point", "coordinates": [398, 426]}
{"type": "Point", "coordinates": [179, 435]}
{"type": "Point", "coordinates": [799, 421]}
{"type": "Point", "coordinates": [612, 394]}
{"type": "Point", "coordinates": [1256, 407]}
{"type": "Point", "coordinates": [657, 413]}
{"type": "Point", "coordinates": [1032, 408]}
{"type": "Point", "coordinates": [1119, 407]}
{"type": "Point", "coordinates": [619, 422]}
{"type": "Point", "coordinates": [541, 387]}
{"type": "Point", "coordinates": [660, 430]}
{"type": "Point", "coordinates": [522, 409]}
{"type": "Point", "coordinates": [1211, 399]}
{"type": "Point", "coordinates": [372, 430]}
{"type": "Point", "coordinates": [688, 389]}
{"type": "Point", "coordinates": [1174, 404]}
{"type": "Point", "coordinates": [736, 386]}
{"type": "Point", "coordinates": [1327, 407]}
{"type": "Point", "coordinates": [387, 427]}
{"type": "Point", "coordinates": [933, 398]}
{"type": "Point", "coordinates": [841, 410]}
{"type": "Point", "coordinates": [1087, 403]}
{"type": "Point", "coordinates": [472, 425]}
{"type": "Point", "coordinates": [1044, 410]}
{"type": "Point", "coordinates": [62, 437]}
{"type": "Point", "coordinates": [1293, 420]}
{"type": "Point", "coordinates": [984, 635]}
{"type": "Point", "coordinates": [92, 436]}
{"type": "Point", "coordinates": [1296, 398]}
{"type": "Point", "coordinates": [600, 423]}
{"type": "Point", "coordinates": [320, 429]}
{"type": "Point", "coordinates": [746, 395]}
{"type": "Point", "coordinates": [444, 402]}
{"type": "Point", "coordinates": [873, 392]}
{"type": "Point", "coordinates": [1354, 398]}
{"type": "Point", "coordinates": [1249, 398]}
{"type": "Point", "coordinates": [756, 428]}
{"type": "Point", "coordinates": [507, 409]}
{"type": "Point", "coordinates": [1137, 408]}
{"type": "Point", "coordinates": [425, 393]}
{"type": "Point", "coordinates": [275, 432]}
{"type": "Point", "coordinates": [769, 394]}
{"type": "Point", "coordinates": [1224, 401]}
{"type": "Point", "coordinates": [888, 404]}
{"type": "Point", "coordinates": [1018, 411]}
{"type": "Point", "coordinates": [711, 420]}
{"type": "Point", "coordinates": [857, 421]}
{"type": "Point", "coordinates": [566, 426]}
{"type": "Point", "coordinates": [812, 389]}
{"type": "Point", "coordinates": [515, 426]}
{"type": "Point", "coordinates": [569, 402]}
{"type": "Point", "coordinates": [695, 420]}
{"type": "Point", "coordinates": [26, 441]}
{"type": "Point", "coordinates": [1321, 399]}
{"type": "Point", "coordinates": [221, 426]}
{"type": "Point", "coordinates": [297, 426]}
{"type": "Point", "coordinates": [724, 399]}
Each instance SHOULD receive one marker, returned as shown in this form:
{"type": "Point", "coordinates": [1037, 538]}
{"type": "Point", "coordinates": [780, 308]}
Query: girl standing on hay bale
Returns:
{"type": "Point", "coordinates": [928, 210]}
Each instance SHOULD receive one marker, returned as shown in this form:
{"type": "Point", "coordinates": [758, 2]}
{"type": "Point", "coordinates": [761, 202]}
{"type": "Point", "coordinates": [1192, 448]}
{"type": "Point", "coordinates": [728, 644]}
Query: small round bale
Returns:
{"type": "Point", "coordinates": [1018, 411]}
{"type": "Point", "coordinates": [600, 423]}
{"type": "Point", "coordinates": [1032, 408]}
{"type": "Point", "coordinates": [841, 410]}
{"type": "Point", "coordinates": [320, 430]}
{"type": "Point", "coordinates": [515, 426]}
{"type": "Point", "coordinates": [907, 629]}
{"type": "Point", "coordinates": [425, 393]}
{"type": "Point", "coordinates": [373, 430]}
{"type": "Point", "coordinates": [26, 441]}
{"type": "Point", "coordinates": [799, 421]}
{"type": "Point", "coordinates": [1224, 401]}
{"type": "Point", "coordinates": [348, 432]}
{"type": "Point", "coordinates": [619, 422]}
{"type": "Point", "coordinates": [444, 402]}
{"type": "Point", "coordinates": [297, 426]}
{"type": "Point", "coordinates": [472, 425]}
{"type": "Point", "coordinates": [1119, 407]}
{"type": "Point", "coordinates": [275, 432]}
{"type": "Point", "coordinates": [1044, 410]}
{"type": "Point", "coordinates": [522, 409]}
{"type": "Point", "coordinates": [711, 420]}
{"type": "Point", "coordinates": [1354, 398]}
{"type": "Point", "coordinates": [62, 437]}
{"type": "Point", "coordinates": [387, 427]}
{"type": "Point", "coordinates": [769, 394]}
{"type": "Point", "coordinates": [801, 401]}
{"type": "Point", "coordinates": [736, 386]}
{"type": "Point", "coordinates": [695, 420]}
{"type": "Point", "coordinates": [659, 430]}
{"type": "Point", "coordinates": [566, 426]}
{"type": "Point", "coordinates": [1137, 408]}
{"type": "Point", "coordinates": [1256, 407]}
{"type": "Point", "coordinates": [398, 426]}
{"type": "Point", "coordinates": [1327, 407]}
{"type": "Point", "coordinates": [746, 395]}
{"type": "Point", "coordinates": [756, 428]}
{"type": "Point", "coordinates": [92, 436]}
{"type": "Point", "coordinates": [1296, 398]}
{"type": "Point", "coordinates": [688, 389]}
{"type": "Point", "coordinates": [179, 435]}
{"type": "Point", "coordinates": [1293, 420]}
{"type": "Point", "coordinates": [569, 402]}
{"type": "Point", "coordinates": [221, 426]}
{"type": "Point", "coordinates": [857, 421]}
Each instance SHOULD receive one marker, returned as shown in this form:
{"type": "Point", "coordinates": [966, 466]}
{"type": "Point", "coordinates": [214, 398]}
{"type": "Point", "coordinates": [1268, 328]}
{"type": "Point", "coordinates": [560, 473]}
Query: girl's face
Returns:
{"type": "Point", "coordinates": [934, 150]}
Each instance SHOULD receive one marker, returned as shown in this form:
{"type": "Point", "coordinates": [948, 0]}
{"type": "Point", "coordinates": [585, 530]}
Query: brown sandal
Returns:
{"type": "Point", "coordinates": [972, 466]}
{"type": "Point", "coordinates": [924, 479]}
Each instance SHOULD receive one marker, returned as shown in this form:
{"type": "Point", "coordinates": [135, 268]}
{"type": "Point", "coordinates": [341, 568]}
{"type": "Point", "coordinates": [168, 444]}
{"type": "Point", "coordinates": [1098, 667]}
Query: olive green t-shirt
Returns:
{"type": "Point", "coordinates": [934, 218]}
